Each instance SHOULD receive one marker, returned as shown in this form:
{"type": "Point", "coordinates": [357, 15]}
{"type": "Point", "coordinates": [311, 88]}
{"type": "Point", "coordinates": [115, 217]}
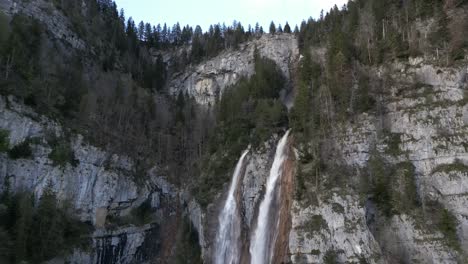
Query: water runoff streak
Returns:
{"type": "Point", "coordinates": [229, 229]}
{"type": "Point", "coordinates": [263, 239]}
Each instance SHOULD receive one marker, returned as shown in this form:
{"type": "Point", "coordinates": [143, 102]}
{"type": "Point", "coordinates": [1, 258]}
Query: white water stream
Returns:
{"type": "Point", "coordinates": [229, 229]}
{"type": "Point", "coordinates": [263, 239]}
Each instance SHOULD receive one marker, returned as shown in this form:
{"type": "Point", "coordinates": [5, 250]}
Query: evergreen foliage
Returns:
{"type": "Point", "coordinates": [4, 140]}
{"type": "Point", "coordinates": [62, 153]}
{"type": "Point", "coordinates": [38, 232]}
{"type": "Point", "coordinates": [21, 150]}
{"type": "Point", "coordinates": [248, 113]}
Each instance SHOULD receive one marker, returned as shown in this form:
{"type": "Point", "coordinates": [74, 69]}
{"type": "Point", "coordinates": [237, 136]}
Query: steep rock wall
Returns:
{"type": "Point", "coordinates": [44, 11]}
{"type": "Point", "coordinates": [426, 110]}
{"type": "Point", "coordinates": [98, 186]}
{"type": "Point", "coordinates": [206, 82]}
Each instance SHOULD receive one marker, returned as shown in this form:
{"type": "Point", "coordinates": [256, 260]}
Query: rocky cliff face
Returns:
{"type": "Point", "coordinates": [426, 111]}
{"type": "Point", "coordinates": [100, 186]}
{"type": "Point", "coordinates": [44, 11]}
{"type": "Point", "coordinates": [206, 82]}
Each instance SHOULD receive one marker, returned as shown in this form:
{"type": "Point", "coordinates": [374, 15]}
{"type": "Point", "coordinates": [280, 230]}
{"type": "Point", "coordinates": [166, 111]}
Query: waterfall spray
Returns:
{"type": "Point", "coordinates": [229, 229]}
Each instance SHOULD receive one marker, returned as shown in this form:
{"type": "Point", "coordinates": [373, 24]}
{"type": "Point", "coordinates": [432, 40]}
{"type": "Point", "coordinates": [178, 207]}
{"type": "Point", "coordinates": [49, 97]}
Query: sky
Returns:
{"type": "Point", "coordinates": [208, 12]}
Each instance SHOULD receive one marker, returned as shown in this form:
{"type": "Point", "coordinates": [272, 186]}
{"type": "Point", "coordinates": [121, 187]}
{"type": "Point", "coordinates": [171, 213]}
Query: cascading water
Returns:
{"type": "Point", "coordinates": [229, 229]}
{"type": "Point", "coordinates": [263, 239]}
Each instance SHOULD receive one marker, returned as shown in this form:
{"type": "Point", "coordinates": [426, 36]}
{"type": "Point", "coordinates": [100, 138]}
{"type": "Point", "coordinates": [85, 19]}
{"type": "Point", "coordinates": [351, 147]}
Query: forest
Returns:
{"type": "Point", "coordinates": [115, 93]}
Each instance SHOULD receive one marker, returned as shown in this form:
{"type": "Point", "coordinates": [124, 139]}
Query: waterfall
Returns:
{"type": "Point", "coordinates": [263, 239]}
{"type": "Point", "coordinates": [229, 229]}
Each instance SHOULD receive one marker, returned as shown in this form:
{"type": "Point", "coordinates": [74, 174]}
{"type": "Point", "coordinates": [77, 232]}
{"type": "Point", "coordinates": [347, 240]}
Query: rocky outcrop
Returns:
{"type": "Point", "coordinates": [207, 81]}
{"type": "Point", "coordinates": [402, 241]}
{"type": "Point", "coordinates": [424, 123]}
{"type": "Point", "coordinates": [254, 179]}
{"type": "Point", "coordinates": [99, 185]}
{"type": "Point", "coordinates": [44, 11]}
{"type": "Point", "coordinates": [98, 181]}
{"type": "Point", "coordinates": [336, 224]}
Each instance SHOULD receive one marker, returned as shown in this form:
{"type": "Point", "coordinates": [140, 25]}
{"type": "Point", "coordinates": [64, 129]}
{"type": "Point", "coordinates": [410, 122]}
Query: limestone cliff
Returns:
{"type": "Point", "coordinates": [206, 82]}
{"type": "Point", "coordinates": [429, 121]}
{"type": "Point", "coordinates": [99, 186]}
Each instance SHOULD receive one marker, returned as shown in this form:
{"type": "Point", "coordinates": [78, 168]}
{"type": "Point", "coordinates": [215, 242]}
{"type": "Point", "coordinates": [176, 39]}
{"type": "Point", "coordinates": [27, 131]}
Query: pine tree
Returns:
{"type": "Point", "coordinates": [141, 31]}
{"type": "Point", "coordinates": [257, 28]}
{"type": "Point", "coordinates": [24, 214]}
{"type": "Point", "coordinates": [148, 35]}
{"type": "Point", "coordinates": [272, 28]}
{"type": "Point", "coordinates": [287, 28]}
{"type": "Point", "coordinates": [47, 238]}
{"type": "Point", "coordinates": [280, 29]}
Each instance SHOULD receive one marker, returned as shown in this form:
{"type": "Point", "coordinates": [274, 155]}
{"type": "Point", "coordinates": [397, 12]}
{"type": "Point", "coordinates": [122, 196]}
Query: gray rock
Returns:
{"type": "Point", "coordinates": [206, 82]}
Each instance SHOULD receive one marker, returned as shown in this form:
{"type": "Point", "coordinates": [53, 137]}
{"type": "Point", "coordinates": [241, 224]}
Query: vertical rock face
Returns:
{"type": "Point", "coordinates": [98, 186]}
{"type": "Point", "coordinates": [45, 11]}
{"type": "Point", "coordinates": [207, 81]}
{"type": "Point", "coordinates": [99, 180]}
{"type": "Point", "coordinates": [426, 112]}
{"type": "Point", "coordinates": [337, 223]}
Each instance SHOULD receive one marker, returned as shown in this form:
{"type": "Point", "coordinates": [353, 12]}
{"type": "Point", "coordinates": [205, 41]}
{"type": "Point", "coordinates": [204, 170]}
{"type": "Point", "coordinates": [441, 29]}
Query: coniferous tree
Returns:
{"type": "Point", "coordinates": [48, 237]}
{"type": "Point", "coordinates": [280, 29]}
{"type": "Point", "coordinates": [287, 28]}
{"type": "Point", "coordinates": [141, 31]}
{"type": "Point", "coordinates": [272, 28]}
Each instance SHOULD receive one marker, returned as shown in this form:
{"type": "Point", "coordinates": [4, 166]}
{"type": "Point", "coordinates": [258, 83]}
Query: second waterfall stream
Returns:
{"type": "Point", "coordinates": [264, 237]}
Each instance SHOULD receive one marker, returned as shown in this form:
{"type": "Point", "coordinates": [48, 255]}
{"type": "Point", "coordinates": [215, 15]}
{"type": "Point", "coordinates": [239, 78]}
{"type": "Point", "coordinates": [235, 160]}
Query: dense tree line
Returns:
{"type": "Point", "coordinates": [37, 230]}
{"type": "Point", "coordinates": [367, 33]}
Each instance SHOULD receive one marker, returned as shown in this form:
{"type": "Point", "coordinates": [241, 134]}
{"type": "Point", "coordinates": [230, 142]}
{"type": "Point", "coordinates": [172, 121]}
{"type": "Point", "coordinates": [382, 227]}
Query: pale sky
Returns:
{"type": "Point", "coordinates": [207, 12]}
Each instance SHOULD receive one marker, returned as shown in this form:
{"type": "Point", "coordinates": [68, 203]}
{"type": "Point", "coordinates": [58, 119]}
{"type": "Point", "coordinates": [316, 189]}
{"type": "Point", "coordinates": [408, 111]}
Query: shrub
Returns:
{"type": "Point", "coordinates": [315, 224]}
{"type": "Point", "coordinates": [447, 224]}
{"type": "Point", "coordinates": [331, 257]}
{"type": "Point", "coordinates": [393, 143]}
{"type": "Point", "coordinates": [456, 166]}
{"type": "Point", "coordinates": [21, 151]}
{"type": "Point", "coordinates": [62, 154]}
{"type": "Point", "coordinates": [35, 232]}
{"type": "Point", "coordinates": [4, 140]}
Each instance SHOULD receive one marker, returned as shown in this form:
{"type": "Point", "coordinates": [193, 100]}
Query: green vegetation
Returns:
{"type": "Point", "coordinates": [248, 113]}
{"type": "Point", "coordinates": [187, 247]}
{"type": "Point", "coordinates": [404, 191]}
{"type": "Point", "coordinates": [393, 142]}
{"type": "Point", "coordinates": [315, 224]}
{"type": "Point", "coordinates": [139, 216]}
{"type": "Point", "coordinates": [21, 150]}
{"type": "Point", "coordinates": [338, 208]}
{"type": "Point", "coordinates": [37, 232]}
{"type": "Point", "coordinates": [4, 28]}
{"type": "Point", "coordinates": [447, 224]}
{"type": "Point", "coordinates": [442, 220]}
{"type": "Point", "coordinates": [62, 153]}
{"type": "Point", "coordinates": [393, 187]}
{"type": "Point", "coordinates": [315, 252]}
{"type": "Point", "coordinates": [458, 166]}
{"type": "Point", "coordinates": [330, 257]}
{"type": "Point", "coordinates": [4, 140]}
